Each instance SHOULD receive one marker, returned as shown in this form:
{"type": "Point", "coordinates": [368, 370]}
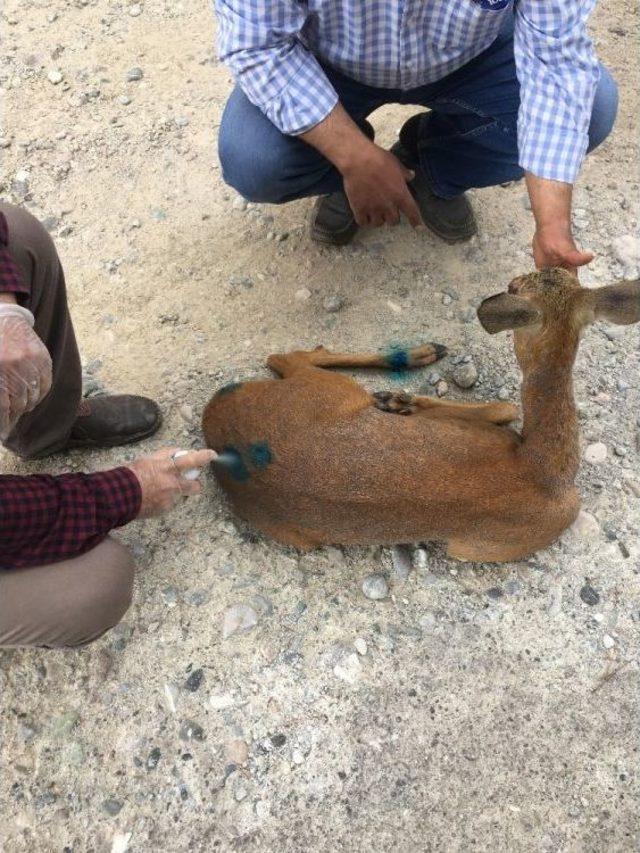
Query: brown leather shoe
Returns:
{"type": "Point", "coordinates": [332, 222]}
{"type": "Point", "coordinates": [113, 420]}
{"type": "Point", "coordinates": [452, 219]}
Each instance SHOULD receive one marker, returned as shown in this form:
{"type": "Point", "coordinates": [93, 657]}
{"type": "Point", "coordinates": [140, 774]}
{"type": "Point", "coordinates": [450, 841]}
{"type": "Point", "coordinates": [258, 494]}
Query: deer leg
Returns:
{"type": "Point", "coordinates": [398, 359]}
{"type": "Point", "coordinates": [411, 404]}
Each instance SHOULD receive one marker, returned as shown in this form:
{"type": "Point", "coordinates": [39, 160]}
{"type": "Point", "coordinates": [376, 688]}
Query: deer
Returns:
{"type": "Point", "coordinates": [313, 459]}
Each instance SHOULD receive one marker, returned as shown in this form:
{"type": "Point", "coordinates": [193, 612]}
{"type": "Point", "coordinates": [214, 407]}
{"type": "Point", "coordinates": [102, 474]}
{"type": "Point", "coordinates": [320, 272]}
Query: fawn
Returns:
{"type": "Point", "coordinates": [314, 459]}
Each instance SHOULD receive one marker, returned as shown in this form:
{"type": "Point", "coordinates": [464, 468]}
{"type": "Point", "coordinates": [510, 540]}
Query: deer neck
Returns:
{"type": "Point", "coordinates": [550, 428]}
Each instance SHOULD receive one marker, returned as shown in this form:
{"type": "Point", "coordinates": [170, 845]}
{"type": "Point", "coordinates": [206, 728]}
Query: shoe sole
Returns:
{"type": "Point", "coordinates": [75, 444]}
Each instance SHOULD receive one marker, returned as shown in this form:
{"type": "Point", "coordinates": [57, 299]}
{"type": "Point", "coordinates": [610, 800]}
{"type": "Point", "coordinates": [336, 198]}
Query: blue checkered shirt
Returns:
{"type": "Point", "coordinates": [274, 49]}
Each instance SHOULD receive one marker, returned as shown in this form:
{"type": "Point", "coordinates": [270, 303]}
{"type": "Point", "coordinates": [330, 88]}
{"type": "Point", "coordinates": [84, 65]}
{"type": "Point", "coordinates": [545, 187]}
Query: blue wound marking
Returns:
{"type": "Point", "coordinates": [231, 460]}
{"type": "Point", "coordinates": [227, 389]}
{"type": "Point", "coordinates": [398, 359]}
{"type": "Point", "coordinates": [260, 454]}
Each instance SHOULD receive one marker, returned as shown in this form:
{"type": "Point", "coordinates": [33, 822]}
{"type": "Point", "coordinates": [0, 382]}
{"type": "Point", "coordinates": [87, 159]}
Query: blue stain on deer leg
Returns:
{"type": "Point", "coordinates": [398, 360]}
{"type": "Point", "coordinates": [231, 460]}
{"type": "Point", "coordinates": [260, 454]}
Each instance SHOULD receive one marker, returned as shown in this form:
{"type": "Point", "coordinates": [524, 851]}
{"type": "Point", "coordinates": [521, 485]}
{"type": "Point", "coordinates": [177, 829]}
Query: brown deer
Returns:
{"type": "Point", "coordinates": [315, 459]}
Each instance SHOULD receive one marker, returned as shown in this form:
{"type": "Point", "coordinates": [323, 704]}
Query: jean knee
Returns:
{"type": "Point", "coordinates": [252, 171]}
{"type": "Point", "coordinates": [605, 109]}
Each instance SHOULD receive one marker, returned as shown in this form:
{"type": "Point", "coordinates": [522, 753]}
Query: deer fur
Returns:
{"type": "Point", "coordinates": [316, 459]}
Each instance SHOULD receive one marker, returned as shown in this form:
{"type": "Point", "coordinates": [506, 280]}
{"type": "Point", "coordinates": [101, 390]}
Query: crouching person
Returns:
{"type": "Point", "coordinates": [63, 580]}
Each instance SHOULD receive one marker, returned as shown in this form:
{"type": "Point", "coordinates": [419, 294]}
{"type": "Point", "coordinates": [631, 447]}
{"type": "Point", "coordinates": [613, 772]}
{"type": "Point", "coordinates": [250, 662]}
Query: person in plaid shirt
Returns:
{"type": "Point", "coordinates": [63, 580]}
{"type": "Point", "coordinates": [513, 89]}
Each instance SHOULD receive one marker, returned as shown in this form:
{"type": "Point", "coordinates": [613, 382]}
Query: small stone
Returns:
{"type": "Point", "coordinates": [596, 453]}
{"type": "Point", "coordinates": [112, 807]}
{"type": "Point", "coordinates": [186, 413]}
{"type": "Point", "coordinates": [182, 121]}
{"type": "Point", "coordinates": [237, 751]}
{"type": "Point", "coordinates": [585, 526]}
{"type": "Point", "coordinates": [401, 558]}
{"type": "Point", "coordinates": [194, 681]}
{"type": "Point", "coordinates": [191, 731]}
{"type": "Point", "coordinates": [64, 724]}
{"type": "Point", "coordinates": [349, 669]}
{"type": "Point", "coordinates": [153, 759]}
{"type": "Point", "coordinates": [54, 76]}
{"type": "Point", "coordinates": [333, 304]}
{"type": "Point", "coordinates": [589, 595]}
{"type": "Point", "coordinates": [620, 451]}
{"type": "Point", "coordinates": [134, 74]}
{"type": "Point", "coordinates": [420, 559]}
{"type": "Point", "coordinates": [465, 375]}
{"type": "Point", "coordinates": [239, 203]}
{"type": "Point", "coordinates": [503, 393]}
{"type": "Point", "coordinates": [280, 238]}
{"type": "Point", "coordinates": [220, 701]}
{"type": "Point", "coordinates": [495, 592]}
{"type": "Point", "coordinates": [608, 642]}
{"type": "Point", "coordinates": [297, 757]}
{"type": "Point", "coordinates": [5, 142]}
{"type": "Point", "coordinates": [135, 10]}
{"type": "Point", "coordinates": [303, 294]}
{"type": "Point", "coordinates": [263, 809]}
{"type": "Point", "coordinates": [278, 740]}
{"type": "Point", "coordinates": [360, 646]}
{"type": "Point", "coordinates": [239, 619]}
{"type": "Point", "coordinates": [240, 794]}
{"type": "Point", "coordinates": [375, 587]}
{"type": "Point", "coordinates": [441, 388]}
{"type": "Point", "coordinates": [446, 299]}
{"type": "Point", "coordinates": [125, 100]}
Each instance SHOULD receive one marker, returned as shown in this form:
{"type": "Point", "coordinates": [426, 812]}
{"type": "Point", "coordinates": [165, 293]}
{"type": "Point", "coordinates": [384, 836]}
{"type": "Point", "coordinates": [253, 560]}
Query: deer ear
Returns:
{"type": "Point", "coordinates": [618, 303]}
{"type": "Point", "coordinates": [506, 311]}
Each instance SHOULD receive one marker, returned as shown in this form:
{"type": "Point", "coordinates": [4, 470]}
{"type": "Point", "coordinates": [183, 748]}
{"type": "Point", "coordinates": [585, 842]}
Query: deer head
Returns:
{"type": "Point", "coordinates": [548, 309]}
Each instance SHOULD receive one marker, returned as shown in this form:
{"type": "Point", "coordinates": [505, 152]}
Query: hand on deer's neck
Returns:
{"type": "Point", "coordinates": [553, 243]}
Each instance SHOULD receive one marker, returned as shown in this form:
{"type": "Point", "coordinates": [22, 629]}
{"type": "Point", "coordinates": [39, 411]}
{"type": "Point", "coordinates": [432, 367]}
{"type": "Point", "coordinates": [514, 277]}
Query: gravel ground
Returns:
{"type": "Point", "coordinates": [255, 698]}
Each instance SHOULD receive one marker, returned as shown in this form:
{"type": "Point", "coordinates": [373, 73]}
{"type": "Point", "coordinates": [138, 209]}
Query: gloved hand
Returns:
{"type": "Point", "coordinates": [25, 366]}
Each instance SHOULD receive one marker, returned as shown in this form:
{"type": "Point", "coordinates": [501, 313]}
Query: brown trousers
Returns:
{"type": "Point", "coordinates": [72, 602]}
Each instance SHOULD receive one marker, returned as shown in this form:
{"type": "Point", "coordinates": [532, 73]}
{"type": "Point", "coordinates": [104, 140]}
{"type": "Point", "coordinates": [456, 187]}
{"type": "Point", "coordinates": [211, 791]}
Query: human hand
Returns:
{"type": "Point", "coordinates": [163, 478]}
{"type": "Point", "coordinates": [25, 367]}
{"type": "Point", "coordinates": [555, 247]}
{"type": "Point", "coordinates": [375, 183]}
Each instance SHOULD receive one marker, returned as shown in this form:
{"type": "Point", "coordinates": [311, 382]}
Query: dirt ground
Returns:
{"type": "Point", "coordinates": [475, 707]}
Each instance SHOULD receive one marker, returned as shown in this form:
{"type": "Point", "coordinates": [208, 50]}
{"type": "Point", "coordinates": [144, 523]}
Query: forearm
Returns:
{"type": "Point", "coordinates": [550, 202]}
{"type": "Point", "coordinates": [45, 519]}
{"type": "Point", "coordinates": [339, 139]}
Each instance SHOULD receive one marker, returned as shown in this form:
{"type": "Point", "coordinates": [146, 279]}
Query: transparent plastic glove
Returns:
{"type": "Point", "coordinates": [25, 367]}
{"type": "Point", "coordinates": [168, 475]}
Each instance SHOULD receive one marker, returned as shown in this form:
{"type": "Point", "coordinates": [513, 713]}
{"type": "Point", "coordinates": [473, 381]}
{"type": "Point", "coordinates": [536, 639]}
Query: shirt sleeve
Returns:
{"type": "Point", "coordinates": [558, 73]}
{"type": "Point", "coordinates": [11, 279]}
{"type": "Point", "coordinates": [45, 519]}
{"type": "Point", "coordinates": [260, 42]}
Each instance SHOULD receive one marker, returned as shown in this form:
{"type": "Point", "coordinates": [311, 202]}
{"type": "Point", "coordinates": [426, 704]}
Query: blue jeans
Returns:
{"type": "Point", "coordinates": [468, 140]}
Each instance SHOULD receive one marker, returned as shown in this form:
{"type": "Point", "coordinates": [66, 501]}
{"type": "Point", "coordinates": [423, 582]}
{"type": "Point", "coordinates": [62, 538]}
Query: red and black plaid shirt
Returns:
{"type": "Point", "coordinates": [47, 519]}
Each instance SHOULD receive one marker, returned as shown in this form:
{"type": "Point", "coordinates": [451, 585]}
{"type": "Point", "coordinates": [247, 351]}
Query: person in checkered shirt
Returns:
{"type": "Point", "coordinates": [63, 580]}
{"type": "Point", "coordinates": [511, 88]}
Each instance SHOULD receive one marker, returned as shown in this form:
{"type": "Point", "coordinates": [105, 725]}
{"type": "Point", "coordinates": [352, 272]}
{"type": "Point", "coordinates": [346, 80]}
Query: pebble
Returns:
{"type": "Point", "coordinates": [237, 751]}
{"type": "Point", "coordinates": [191, 731]}
{"type": "Point", "coordinates": [239, 619]}
{"type": "Point", "coordinates": [186, 413]}
{"type": "Point", "coordinates": [303, 294]}
{"type": "Point", "coordinates": [135, 10]}
{"type": "Point", "coordinates": [333, 304]}
{"type": "Point", "coordinates": [349, 669]}
{"type": "Point", "coordinates": [375, 587]}
{"type": "Point", "coordinates": [589, 595]}
{"type": "Point", "coordinates": [626, 250]}
{"type": "Point", "coordinates": [194, 681]}
{"type": "Point", "coordinates": [54, 76]}
{"type": "Point", "coordinates": [420, 559]}
{"type": "Point", "coordinates": [465, 375]}
{"type": "Point", "coordinates": [220, 701]}
{"type": "Point", "coordinates": [585, 526]}
{"type": "Point", "coordinates": [239, 203]}
{"type": "Point", "coordinates": [241, 794]}
{"type": "Point", "coordinates": [401, 558]}
{"type": "Point", "coordinates": [608, 642]}
{"type": "Point", "coordinates": [619, 450]}
{"type": "Point", "coordinates": [112, 807]}
{"type": "Point", "coordinates": [596, 453]}
{"type": "Point", "coordinates": [134, 74]}
{"type": "Point", "coordinates": [504, 393]}
{"type": "Point", "coordinates": [5, 142]}
{"type": "Point", "coordinates": [441, 388]}
{"type": "Point", "coordinates": [278, 740]}
{"type": "Point", "coordinates": [297, 757]}
{"type": "Point", "coordinates": [125, 100]}
{"type": "Point", "coordinates": [64, 724]}
{"type": "Point", "coordinates": [153, 759]}
{"type": "Point", "coordinates": [360, 646]}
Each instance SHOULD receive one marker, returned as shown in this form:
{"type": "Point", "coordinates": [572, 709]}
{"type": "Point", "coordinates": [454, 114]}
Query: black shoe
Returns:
{"type": "Point", "coordinates": [110, 421]}
{"type": "Point", "coordinates": [332, 221]}
{"type": "Point", "coordinates": [452, 219]}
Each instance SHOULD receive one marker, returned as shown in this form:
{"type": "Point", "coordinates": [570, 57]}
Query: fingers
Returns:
{"type": "Point", "coordinates": [408, 206]}
{"type": "Point", "coordinates": [195, 459]}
